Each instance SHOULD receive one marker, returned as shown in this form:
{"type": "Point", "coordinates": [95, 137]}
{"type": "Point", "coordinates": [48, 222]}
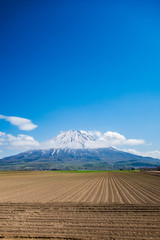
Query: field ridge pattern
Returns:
{"type": "Point", "coordinates": [51, 205]}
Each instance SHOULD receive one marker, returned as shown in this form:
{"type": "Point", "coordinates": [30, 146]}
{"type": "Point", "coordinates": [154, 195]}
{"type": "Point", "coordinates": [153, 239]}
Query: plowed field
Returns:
{"type": "Point", "coordinates": [105, 187]}
{"type": "Point", "coordinates": [55, 205]}
{"type": "Point", "coordinates": [79, 221]}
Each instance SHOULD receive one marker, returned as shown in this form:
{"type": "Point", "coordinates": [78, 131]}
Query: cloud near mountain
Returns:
{"type": "Point", "coordinates": [112, 139]}
{"type": "Point", "coordinates": [91, 139]}
{"type": "Point", "coordinates": [69, 139]}
{"type": "Point", "coordinates": [74, 140]}
{"type": "Point", "coordinates": [153, 154]}
{"type": "Point", "coordinates": [19, 142]}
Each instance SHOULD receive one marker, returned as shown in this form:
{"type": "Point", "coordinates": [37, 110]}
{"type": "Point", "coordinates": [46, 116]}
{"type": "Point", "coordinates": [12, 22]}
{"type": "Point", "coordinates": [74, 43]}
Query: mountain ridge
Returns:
{"type": "Point", "coordinates": [79, 159]}
{"type": "Point", "coordinates": [75, 150]}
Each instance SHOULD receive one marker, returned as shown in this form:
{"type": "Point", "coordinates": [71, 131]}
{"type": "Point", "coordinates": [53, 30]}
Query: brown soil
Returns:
{"type": "Point", "coordinates": [79, 221]}
{"type": "Point", "coordinates": [119, 187]}
{"type": "Point", "coordinates": [154, 173]}
{"type": "Point", "coordinates": [52, 205]}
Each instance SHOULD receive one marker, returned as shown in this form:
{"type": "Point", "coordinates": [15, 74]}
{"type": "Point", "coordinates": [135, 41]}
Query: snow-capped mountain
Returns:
{"type": "Point", "coordinates": [72, 139]}
{"type": "Point", "coordinates": [76, 150]}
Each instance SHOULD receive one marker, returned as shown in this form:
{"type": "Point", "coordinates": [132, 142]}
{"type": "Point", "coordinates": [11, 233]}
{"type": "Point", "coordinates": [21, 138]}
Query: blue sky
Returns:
{"type": "Point", "coordinates": [91, 65]}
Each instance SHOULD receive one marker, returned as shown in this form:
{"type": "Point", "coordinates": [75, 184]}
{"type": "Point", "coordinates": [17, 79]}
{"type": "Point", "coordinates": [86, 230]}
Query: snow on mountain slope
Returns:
{"type": "Point", "coordinates": [77, 150]}
{"type": "Point", "coordinates": [88, 140]}
{"type": "Point", "coordinates": [71, 139]}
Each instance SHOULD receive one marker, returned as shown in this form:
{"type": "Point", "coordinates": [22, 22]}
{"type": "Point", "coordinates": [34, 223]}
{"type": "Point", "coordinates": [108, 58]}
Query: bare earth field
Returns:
{"type": "Point", "coordinates": [100, 205]}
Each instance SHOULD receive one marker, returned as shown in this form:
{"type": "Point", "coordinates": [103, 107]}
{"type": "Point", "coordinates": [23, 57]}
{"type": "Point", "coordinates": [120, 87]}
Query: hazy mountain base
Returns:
{"type": "Point", "coordinates": [76, 159]}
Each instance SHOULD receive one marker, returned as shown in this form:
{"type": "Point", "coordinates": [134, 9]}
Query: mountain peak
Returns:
{"type": "Point", "coordinates": [71, 139]}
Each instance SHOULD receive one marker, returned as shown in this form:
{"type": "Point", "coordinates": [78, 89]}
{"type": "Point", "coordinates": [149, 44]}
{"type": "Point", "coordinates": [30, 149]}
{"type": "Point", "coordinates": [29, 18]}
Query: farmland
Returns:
{"type": "Point", "coordinates": [93, 187]}
{"type": "Point", "coordinates": [87, 205]}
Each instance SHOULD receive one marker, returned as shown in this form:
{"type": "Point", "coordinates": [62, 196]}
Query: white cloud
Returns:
{"type": "Point", "coordinates": [22, 123]}
{"type": "Point", "coordinates": [22, 141]}
{"type": "Point", "coordinates": [2, 134]}
{"type": "Point", "coordinates": [112, 139]}
{"type": "Point", "coordinates": [2, 140]}
{"type": "Point", "coordinates": [19, 142]}
{"type": "Point", "coordinates": [153, 154]}
{"type": "Point", "coordinates": [134, 141]}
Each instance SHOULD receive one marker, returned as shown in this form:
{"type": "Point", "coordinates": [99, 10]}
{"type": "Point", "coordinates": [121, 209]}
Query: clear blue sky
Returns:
{"type": "Point", "coordinates": [92, 65]}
